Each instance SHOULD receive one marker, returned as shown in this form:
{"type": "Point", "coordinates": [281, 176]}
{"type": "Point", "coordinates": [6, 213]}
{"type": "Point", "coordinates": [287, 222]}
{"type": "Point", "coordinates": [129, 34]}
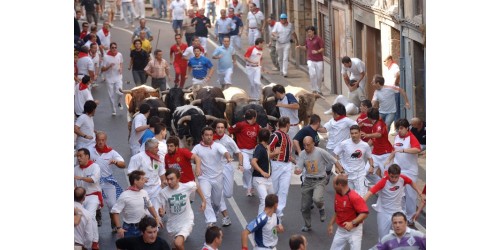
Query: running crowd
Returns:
{"type": "Point", "coordinates": [163, 182]}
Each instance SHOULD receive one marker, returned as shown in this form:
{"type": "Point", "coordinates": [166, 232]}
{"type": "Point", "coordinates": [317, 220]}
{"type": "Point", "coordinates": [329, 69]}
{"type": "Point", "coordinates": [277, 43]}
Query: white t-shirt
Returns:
{"type": "Point", "coordinates": [338, 131]}
{"type": "Point", "coordinates": [139, 120]}
{"type": "Point", "coordinates": [354, 72]}
{"type": "Point", "coordinates": [407, 162]}
{"type": "Point", "coordinates": [83, 231]}
{"type": "Point", "coordinates": [390, 196]}
{"type": "Point", "coordinates": [255, 20]}
{"type": "Point", "coordinates": [353, 157]}
{"type": "Point", "coordinates": [189, 53]}
{"type": "Point", "coordinates": [105, 40]}
{"type": "Point", "coordinates": [229, 144]}
{"type": "Point", "coordinates": [293, 114]}
{"type": "Point", "coordinates": [268, 235]}
{"type": "Point", "coordinates": [94, 172]}
{"type": "Point", "coordinates": [133, 204]}
{"type": "Point", "coordinates": [85, 64]}
{"type": "Point", "coordinates": [162, 148]}
{"type": "Point", "coordinates": [212, 159]}
{"type": "Point", "coordinates": [81, 96]}
{"type": "Point", "coordinates": [386, 100]}
{"type": "Point", "coordinates": [113, 74]}
{"type": "Point", "coordinates": [86, 124]}
{"type": "Point", "coordinates": [104, 160]}
{"type": "Point", "coordinates": [177, 206]}
{"type": "Point", "coordinates": [284, 32]}
{"type": "Point", "coordinates": [178, 9]}
{"type": "Point", "coordinates": [390, 75]}
{"type": "Point", "coordinates": [153, 169]}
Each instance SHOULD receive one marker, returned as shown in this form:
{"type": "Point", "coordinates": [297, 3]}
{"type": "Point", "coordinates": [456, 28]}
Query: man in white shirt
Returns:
{"type": "Point", "coordinates": [178, 10]}
{"type": "Point", "coordinates": [176, 204]}
{"type": "Point", "coordinates": [149, 161]}
{"type": "Point", "coordinates": [83, 232]}
{"type": "Point", "coordinates": [337, 127]}
{"type": "Point", "coordinates": [84, 126]}
{"type": "Point", "coordinates": [104, 35]}
{"type": "Point", "coordinates": [82, 94]}
{"type": "Point", "coordinates": [87, 175]}
{"type": "Point", "coordinates": [85, 64]}
{"type": "Point", "coordinates": [189, 52]}
{"type": "Point", "coordinates": [132, 205]}
{"type": "Point", "coordinates": [139, 125]}
{"type": "Point", "coordinates": [283, 31]}
{"type": "Point", "coordinates": [210, 172]}
{"type": "Point", "coordinates": [254, 24]}
{"type": "Point", "coordinates": [354, 69]}
{"type": "Point", "coordinates": [113, 69]}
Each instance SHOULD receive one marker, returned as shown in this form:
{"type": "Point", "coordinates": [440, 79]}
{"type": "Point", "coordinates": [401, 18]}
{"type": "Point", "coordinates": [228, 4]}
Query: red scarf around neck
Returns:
{"type": "Point", "coordinates": [133, 188]}
{"type": "Point", "coordinates": [230, 16]}
{"type": "Point", "coordinates": [105, 31]}
{"type": "Point", "coordinates": [82, 54]}
{"type": "Point", "coordinates": [104, 149]}
{"type": "Point", "coordinates": [205, 145]}
{"type": "Point", "coordinates": [273, 22]}
{"type": "Point", "coordinates": [82, 86]}
{"type": "Point", "coordinates": [111, 53]}
{"type": "Point", "coordinates": [83, 34]}
{"type": "Point", "coordinates": [155, 157]}
{"type": "Point", "coordinates": [339, 118]}
{"type": "Point", "coordinates": [88, 165]}
{"type": "Point", "coordinates": [217, 136]}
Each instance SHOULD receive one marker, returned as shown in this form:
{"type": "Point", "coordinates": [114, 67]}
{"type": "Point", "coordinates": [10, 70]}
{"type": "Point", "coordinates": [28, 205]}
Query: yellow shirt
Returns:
{"type": "Point", "coordinates": [146, 45]}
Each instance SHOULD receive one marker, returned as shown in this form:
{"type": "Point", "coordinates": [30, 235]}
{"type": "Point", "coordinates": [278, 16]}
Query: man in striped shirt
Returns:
{"type": "Point", "coordinates": [402, 237]}
{"type": "Point", "coordinates": [281, 164]}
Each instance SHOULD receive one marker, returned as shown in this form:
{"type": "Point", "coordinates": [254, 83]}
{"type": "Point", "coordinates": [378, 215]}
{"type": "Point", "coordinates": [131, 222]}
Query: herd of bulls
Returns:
{"type": "Point", "coordinates": [185, 112]}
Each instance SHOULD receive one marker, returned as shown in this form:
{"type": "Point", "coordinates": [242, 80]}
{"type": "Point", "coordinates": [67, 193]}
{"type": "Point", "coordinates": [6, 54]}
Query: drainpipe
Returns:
{"type": "Point", "coordinates": [402, 60]}
{"type": "Point", "coordinates": [333, 85]}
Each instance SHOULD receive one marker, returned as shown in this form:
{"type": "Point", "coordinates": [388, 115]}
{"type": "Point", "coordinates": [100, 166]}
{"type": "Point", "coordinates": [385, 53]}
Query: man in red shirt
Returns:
{"type": "Point", "coordinates": [382, 147]}
{"type": "Point", "coordinates": [246, 139]}
{"type": "Point", "coordinates": [180, 65]}
{"type": "Point", "coordinates": [350, 212]}
{"type": "Point", "coordinates": [363, 121]}
{"type": "Point", "coordinates": [180, 158]}
{"type": "Point", "coordinates": [315, 48]}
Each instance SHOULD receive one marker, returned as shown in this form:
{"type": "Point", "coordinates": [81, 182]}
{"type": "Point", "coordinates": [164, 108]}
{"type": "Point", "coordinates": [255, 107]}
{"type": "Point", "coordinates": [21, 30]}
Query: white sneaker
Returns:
{"type": "Point", "coordinates": [113, 114]}
{"type": "Point", "coordinates": [120, 106]}
{"type": "Point", "coordinates": [226, 221]}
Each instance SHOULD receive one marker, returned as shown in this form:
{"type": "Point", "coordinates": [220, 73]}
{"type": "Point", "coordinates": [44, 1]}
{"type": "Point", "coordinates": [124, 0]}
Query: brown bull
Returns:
{"type": "Point", "coordinates": [235, 97]}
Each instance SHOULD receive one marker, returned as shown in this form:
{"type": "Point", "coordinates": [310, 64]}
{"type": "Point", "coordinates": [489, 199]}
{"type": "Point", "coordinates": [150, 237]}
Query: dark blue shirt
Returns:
{"type": "Point", "coordinates": [237, 21]}
{"type": "Point", "coordinates": [260, 153]}
{"type": "Point", "coordinates": [200, 66]}
{"type": "Point", "coordinates": [306, 131]}
{"type": "Point", "coordinates": [200, 29]}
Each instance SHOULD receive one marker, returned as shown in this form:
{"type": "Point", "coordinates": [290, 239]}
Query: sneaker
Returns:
{"type": "Point", "coordinates": [306, 229]}
{"type": "Point", "coordinates": [98, 217]}
{"type": "Point", "coordinates": [322, 215]}
{"type": "Point", "coordinates": [312, 206]}
{"type": "Point", "coordinates": [285, 76]}
{"type": "Point", "coordinates": [114, 113]}
{"type": "Point", "coordinates": [120, 106]}
{"type": "Point", "coordinates": [249, 194]}
{"type": "Point", "coordinates": [226, 221]}
{"type": "Point", "coordinates": [275, 69]}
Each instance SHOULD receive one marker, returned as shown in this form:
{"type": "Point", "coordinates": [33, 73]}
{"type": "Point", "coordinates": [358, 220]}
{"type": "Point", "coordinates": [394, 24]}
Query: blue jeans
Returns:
{"type": "Point", "coordinates": [127, 12]}
{"type": "Point", "coordinates": [388, 119]}
{"type": "Point", "coordinates": [162, 10]}
{"type": "Point", "coordinates": [139, 76]}
{"type": "Point", "coordinates": [397, 96]}
{"type": "Point", "coordinates": [131, 230]}
{"type": "Point", "coordinates": [211, 9]}
{"type": "Point", "coordinates": [189, 38]}
{"type": "Point", "coordinates": [159, 83]}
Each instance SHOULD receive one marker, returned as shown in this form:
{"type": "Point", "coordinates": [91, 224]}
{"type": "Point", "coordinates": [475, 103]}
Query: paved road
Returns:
{"type": "Point", "coordinates": [242, 209]}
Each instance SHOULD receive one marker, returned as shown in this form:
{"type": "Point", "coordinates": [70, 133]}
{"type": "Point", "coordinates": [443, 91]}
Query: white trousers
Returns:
{"type": "Point", "coordinates": [203, 42]}
{"type": "Point", "coordinates": [227, 185]}
{"type": "Point", "coordinates": [353, 237]}
{"type": "Point", "coordinates": [212, 190]}
{"type": "Point", "coordinates": [283, 50]}
{"type": "Point", "coordinates": [384, 223]}
{"type": "Point", "coordinates": [110, 191]}
{"type": "Point", "coordinates": [253, 34]}
{"type": "Point", "coordinates": [225, 77]}
{"type": "Point", "coordinates": [410, 199]}
{"type": "Point", "coordinates": [358, 185]}
{"type": "Point", "coordinates": [253, 74]}
{"type": "Point", "coordinates": [264, 186]}
{"type": "Point", "coordinates": [315, 74]}
{"type": "Point", "coordinates": [115, 96]}
{"type": "Point", "coordinates": [91, 203]}
{"type": "Point", "coordinates": [153, 193]}
{"type": "Point", "coordinates": [282, 173]}
{"type": "Point", "coordinates": [140, 9]}
{"type": "Point", "coordinates": [236, 42]}
{"type": "Point", "coordinates": [247, 168]}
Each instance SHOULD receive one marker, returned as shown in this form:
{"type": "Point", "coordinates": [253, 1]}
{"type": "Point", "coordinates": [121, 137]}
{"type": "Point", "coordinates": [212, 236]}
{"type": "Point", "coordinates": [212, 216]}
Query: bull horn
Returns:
{"type": "Point", "coordinates": [196, 102]}
{"type": "Point", "coordinates": [184, 119]}
{"type": "Point", "coordinates": [210, 117]}
{"type": "Point", "coordinates": [165, 91]}
{"type": "Point", "coordinates": [254, 100]}
{"type": "Point", "coordinates": [126, 91]}
{"type": "Point", "coordinates": [153, 90]}
{"type": "Point", "coordinates": [163, 109]}
{"type": "Point", "coordinates": [218, 99]}
{"type": "Point", "coordinates": [187, 90]}
{"type": "Point", "coordinates": [272, 118]}
{"type": "Point", "coordinates": [319, 96]}
{"type": "Point", "coordinates": [270, 99]}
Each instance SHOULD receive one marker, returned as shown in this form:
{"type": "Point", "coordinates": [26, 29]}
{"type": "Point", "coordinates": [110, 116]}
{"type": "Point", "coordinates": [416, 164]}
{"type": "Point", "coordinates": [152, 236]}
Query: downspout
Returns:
{"type": "Point", "coordinates": [333, 86]}
{"type": "Point", "coordinates": [402, 60]}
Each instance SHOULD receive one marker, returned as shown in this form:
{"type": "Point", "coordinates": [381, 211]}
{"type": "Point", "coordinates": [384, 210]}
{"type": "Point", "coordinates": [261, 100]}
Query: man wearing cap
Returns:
{"type": "Point", "coordinates": [283, 32]}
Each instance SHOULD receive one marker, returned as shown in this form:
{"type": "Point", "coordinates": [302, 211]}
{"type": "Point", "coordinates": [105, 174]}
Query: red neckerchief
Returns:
{"type": "Point", "coordinates": [133, 188]}
{"type": "Point", "coordinates": [99, 196]}
{"type": "Point", "coordinates": [200, 15]}
{"type": "Point", "coordinates": [205, 145]}
{"type": "Point", "coordinates": [105, 31]}
{"type": "Point", "coordinates": [230, 16]}
{"type": "Point", "coordinates": [82, 86]}
{"type": "Point", "coordinates": [235, 3]}
{"type": "Point", "coordinates": [111, 54]}
{"type": "Point", "coordinates": [257, 47]}
{"type": "Point", "coordinates": [217, 136]}
{"type": "Point", "coordinates": [273, 22]}
{"type": "Point", "coordinates": [83, 34]}
{"type": "Point", "coordinates": [155, 157]}
{"type": "Point", "coordinates": [339, 118]}
{"type": "Point", "coordinates": [104, 149]}
{"type": "Point", "coordinates": [82, 54]}
{"type": "Point", "coordinates": [86, 166]}
{"type": "Point", "coordinates": [256, 10]}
